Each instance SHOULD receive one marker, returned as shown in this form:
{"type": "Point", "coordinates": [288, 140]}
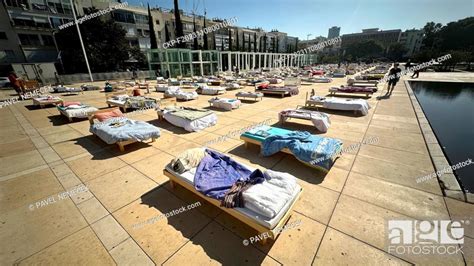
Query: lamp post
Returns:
{"type": "Point", "coordinates": [80, 40]}
{"type": "Point", "coordinates": [307, 36]}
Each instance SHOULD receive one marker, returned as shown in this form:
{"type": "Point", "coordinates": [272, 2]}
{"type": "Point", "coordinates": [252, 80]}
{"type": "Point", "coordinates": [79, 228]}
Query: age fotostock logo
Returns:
{"type": "Point", "coordinates": [425, 237]}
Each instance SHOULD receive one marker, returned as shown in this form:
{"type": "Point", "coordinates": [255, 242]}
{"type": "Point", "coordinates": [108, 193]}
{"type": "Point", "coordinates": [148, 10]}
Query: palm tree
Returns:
{"type": "Point", "coordinates": [179, 25]}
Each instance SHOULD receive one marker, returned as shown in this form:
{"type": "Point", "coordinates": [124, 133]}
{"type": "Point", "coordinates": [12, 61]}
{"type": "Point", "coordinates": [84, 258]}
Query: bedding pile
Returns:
{"type": "Point", "coordinates": [316, 151]}
{"type": "Point", "coordinates": [290, 90]}
{"type": "Point", "coordinates": [206, 90]}
{"type": "Point", "coordinates": [75, 109]}
{"type": "Point", "coordinates": [180, 94]}
{"type": "Point", "coordinates": [220, 177]}
{"type": "Point", "coordinates": [60, 89]}
{"type": "Point", "coordinates": [116, 129]}
{"type": "Point", "coordinates": [320, 120]}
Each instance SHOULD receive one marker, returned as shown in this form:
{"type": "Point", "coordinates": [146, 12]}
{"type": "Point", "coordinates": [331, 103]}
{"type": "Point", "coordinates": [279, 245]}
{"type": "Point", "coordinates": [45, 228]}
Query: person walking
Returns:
{"type": "Point", "coordinates": [407, 65]}
{"type": "Point", "coordinates": [16, 83]}
{"type": "Point", "coordinates": [394, 77]}
{"type": "Point", "coordinates": [416, 73]}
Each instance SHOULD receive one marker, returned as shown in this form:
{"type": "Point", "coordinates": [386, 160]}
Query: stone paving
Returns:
{"type": "Point", "coordinates": [343, 214]}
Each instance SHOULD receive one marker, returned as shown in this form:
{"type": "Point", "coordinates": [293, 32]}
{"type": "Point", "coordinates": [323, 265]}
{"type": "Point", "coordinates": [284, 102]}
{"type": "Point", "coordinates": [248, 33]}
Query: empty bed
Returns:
{"type": "Point", "coordinates": [191, 119]}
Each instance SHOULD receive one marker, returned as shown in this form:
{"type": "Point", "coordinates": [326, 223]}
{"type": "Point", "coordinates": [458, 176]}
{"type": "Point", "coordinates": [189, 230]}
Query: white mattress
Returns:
{"type": "Point", "coordinates": [343, 104]}
{"type": "Point", "coordinates": [78, 113]}
{"type": "Point", "coordinates": [212, 90]}
{"type": "Point", "coordinates": [163, 87]}
{"type": "Point", "coordinates": [174, 91]}
{"type": "Point", "coordinates": [195, 125]}
{"type": "Point", "coordinates": [225, 103]}
{"type": "Point", "coordinates": [188, 176]}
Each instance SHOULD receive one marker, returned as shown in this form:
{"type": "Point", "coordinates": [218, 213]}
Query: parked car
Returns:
{"type": "Point", "coordinates": [4, 82]}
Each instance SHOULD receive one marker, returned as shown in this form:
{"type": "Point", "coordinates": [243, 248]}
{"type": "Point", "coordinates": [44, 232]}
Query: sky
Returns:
{"type": "Point", "coordinates": [302, 17]}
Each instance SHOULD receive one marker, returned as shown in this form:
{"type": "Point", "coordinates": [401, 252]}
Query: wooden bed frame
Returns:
{"type": "Point", "coordinates": [367, 94]}
{"type": "Point", "coordinates": [239, 216]}
{"type": "Point", "coordinates": [44, 103]}
{"type": "Point", "coordinates": [249, 97]}
{"type": "Point", "coordinates": [219, 92]}
{"type": "Point", "coordinates": [121, 144]}
{"type": "Point", "coordinates": [109, 95]}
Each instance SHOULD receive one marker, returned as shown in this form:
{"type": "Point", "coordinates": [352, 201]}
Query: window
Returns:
{"type": "Point", "coordinates": [123, 16]}
{"type": "Point", "coordinates": [55, 22]}
{"type": "Point", "coordinates": [17, 3]}
{"type": "Point", "coordinates": [3, 36]}
{"type": "Point", "coordinates": [6, 55]}
{"type": "Point", "coordinates": [29, 39]}
{"type": "Point", "coordinates": [47, 40]}
{"type": "Point", "coordinates": [39, 5]}
{"type": "Point", "coordinates": [157, 22]}
{"type": "Point", "coordinates": [141, 19]}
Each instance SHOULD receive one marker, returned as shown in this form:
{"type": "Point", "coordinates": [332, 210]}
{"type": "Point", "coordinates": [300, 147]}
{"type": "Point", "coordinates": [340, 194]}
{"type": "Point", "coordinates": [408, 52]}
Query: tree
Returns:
{"type": "Point", "coordinates": [456, 38]}
{"type": "Point", "coordinates": [230, 39]}
{"type": "Point", "coordinates": [364, 50]}
{"type": "Point", "coordinates": [396, 51]}
{"type": "Point", "coordinates": [237, 40]}
{"type": "Point", "coordinates": [195, 41]}
{"type": "Point", "coordinates": [206, 45]}
{"type": "Point", "coordinates": [265, 43]}
{"type": "Point", "coordinates": [139, 57]}
{"type": "Point", "coordinates": [250, 44]}
{"type": "Point", "coordinates": [430, 30]}
{"type": "Point", "coordinates": [179, 25]}
{"type": "Point", "coordinates": [214, 40]}
{"type": "Point", "coordinates": [167, 33]}
{"type": "Point", "coordinates": [254, 42]}
{"type": "Point", "coordinates": [105, 44]}
{"type": "Point", "coordinates": [151, 28]}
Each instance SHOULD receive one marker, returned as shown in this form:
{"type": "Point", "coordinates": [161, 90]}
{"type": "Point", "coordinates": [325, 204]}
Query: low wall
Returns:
{"type": "Point", "coordinates": [77, 78]}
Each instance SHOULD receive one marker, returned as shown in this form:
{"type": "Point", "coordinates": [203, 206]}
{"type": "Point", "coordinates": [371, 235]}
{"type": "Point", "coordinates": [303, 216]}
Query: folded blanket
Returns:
{"type": "Point", "coordinates": [320, 120]}
{"type": "Point", "coordinates": [270, 196]}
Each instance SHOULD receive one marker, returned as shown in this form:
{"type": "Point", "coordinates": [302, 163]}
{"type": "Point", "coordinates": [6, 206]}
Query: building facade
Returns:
{"type": "Point", "coordinates": [334, 32]}
{"type": "Point", "coordinates": [383, 37]}
{"type": "Point", "coordinates": [412, 40]}
{"type": "Point", "coordinates": [29, 26]}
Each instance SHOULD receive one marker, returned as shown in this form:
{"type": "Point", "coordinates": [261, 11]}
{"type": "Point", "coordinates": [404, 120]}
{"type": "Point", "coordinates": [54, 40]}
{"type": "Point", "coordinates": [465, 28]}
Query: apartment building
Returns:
{"type": "Point", "coordinates": [28, 26]}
